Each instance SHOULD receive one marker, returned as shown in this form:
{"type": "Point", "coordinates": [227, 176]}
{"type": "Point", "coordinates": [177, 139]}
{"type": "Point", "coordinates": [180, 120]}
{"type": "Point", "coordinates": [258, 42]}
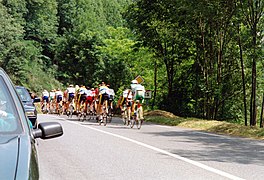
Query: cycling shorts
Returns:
{"type": "Point", "coordinates": [104, 97]}
{"type": "Point", "coordinates": [71, 96]}
{"type": "Point", "coordinates": [45, 98]}
{"type": "Point", "coordinates": [111, 97]}
{"type": "Point", "coordinates": [89, 99]}
{"type": "Point", "coordinates": [82, 97]}
{"type": "Point", "coordinates": [59, 98]}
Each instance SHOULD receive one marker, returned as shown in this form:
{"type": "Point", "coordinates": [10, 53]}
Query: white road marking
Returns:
{"type": "Point", "coordinates": [195, 163]}
{"type": "Point", "coordinates": [167, 127]}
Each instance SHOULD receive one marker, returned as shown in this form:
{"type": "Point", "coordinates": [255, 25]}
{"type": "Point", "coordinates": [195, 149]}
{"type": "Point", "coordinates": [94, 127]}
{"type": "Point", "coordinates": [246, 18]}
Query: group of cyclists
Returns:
{"type": "Point", "coordinates": [83, 100]}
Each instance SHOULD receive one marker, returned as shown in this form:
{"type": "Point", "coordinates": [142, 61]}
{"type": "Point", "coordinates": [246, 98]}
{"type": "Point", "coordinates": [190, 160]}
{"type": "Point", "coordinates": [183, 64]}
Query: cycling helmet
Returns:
{"type": "Point", "coordinates": [134, 81]}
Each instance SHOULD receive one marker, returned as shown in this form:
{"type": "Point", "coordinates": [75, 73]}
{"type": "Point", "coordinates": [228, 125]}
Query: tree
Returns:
{"type": "Point", "coordinates": [253, 12]}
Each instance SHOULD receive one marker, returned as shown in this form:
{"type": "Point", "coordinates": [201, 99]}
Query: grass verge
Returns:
{"type": "Point", "coordinates": [218, 127]}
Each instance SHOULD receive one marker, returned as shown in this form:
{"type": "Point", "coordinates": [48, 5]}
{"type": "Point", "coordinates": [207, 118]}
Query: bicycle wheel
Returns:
{"type": "Point", "coordinates": [139, 121]}
{"type": "Point", "coordinates": [71, 110]}
{"type": "Point", "coordinates": [109, 115]}
{"type": "Point", "coordinates": [60, 110]}
{"type": "Point", "coordinates": [105, 120]}
{"type": "Point", "coordinates": [132, 122]}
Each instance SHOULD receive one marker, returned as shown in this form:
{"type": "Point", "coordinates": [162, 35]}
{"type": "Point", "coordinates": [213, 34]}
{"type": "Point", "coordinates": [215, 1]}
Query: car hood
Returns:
{"type": "Point", "coordinates": [9, 147]}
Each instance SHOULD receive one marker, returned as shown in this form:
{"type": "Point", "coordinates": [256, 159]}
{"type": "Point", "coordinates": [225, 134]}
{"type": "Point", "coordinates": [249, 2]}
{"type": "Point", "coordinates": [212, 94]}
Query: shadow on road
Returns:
{"type": "Point", "coordinates": [217, 148]}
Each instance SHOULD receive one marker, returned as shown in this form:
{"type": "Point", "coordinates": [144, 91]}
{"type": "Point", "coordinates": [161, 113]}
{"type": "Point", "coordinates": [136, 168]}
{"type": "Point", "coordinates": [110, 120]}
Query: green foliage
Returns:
{"type": "Point", "coordinates": [188, 51]}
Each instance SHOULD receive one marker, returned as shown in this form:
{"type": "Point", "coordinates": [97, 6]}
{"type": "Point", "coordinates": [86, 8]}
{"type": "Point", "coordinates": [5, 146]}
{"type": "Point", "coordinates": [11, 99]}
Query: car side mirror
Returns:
{"type": "Point", "coordinates": [37, 99]}
{"type": "Point", "coordinates": [48, 130]}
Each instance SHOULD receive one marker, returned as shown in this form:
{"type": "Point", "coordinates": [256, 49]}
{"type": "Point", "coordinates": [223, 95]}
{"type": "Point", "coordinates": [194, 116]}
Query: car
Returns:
{"type": "Point", "coordinates": [18, 148]}
{"type": "Point", "coordinates": [28, 104]}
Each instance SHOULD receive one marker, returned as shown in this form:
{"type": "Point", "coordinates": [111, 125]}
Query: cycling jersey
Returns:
{"type": "Point", "coordinates": [103, 89]}
{"type": "Point", "coordinates": [111, 94]}
{"type": "Point", "coordinates": [90, 96]}
{"type": "Point", "coordinates": [52, 95]}
{"type": "Point", "coordinates": [138, 92]}
{"type": "Point", "coordinates": [103, 94]}
{"type": "Point", "coordinates": [71, 93]}
{"type": "Point", "coordinates": [82, 90]}
{"type": "Point", "coordinates": [45, 96]}
{"type": "Point", "coordinates": [58, 95]}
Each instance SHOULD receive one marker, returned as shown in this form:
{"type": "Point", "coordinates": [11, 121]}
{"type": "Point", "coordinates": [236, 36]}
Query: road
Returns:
{"type": "Point", "coordinates": [89, 151]}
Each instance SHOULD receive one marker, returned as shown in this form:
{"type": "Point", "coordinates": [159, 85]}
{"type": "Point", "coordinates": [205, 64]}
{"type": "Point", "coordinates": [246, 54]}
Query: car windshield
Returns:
{"type": "Point", "coordinates": [9, 121]}
{"type": "Point", "coordinates": [23, 93]}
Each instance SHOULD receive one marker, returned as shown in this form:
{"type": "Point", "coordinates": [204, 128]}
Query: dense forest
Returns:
{"type": "Point", "coordinates": [199, 58]}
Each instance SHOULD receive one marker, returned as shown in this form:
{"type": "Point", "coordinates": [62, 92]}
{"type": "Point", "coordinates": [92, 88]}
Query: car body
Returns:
{"type": "Point", "coordinates": [18, 150]}
{"type": "Point", "coordinates": [29, 105]}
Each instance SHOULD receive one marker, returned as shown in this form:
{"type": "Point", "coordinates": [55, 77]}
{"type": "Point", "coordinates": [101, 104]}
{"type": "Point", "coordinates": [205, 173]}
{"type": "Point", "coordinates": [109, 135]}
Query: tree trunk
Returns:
{"type": "Point", "coordinates": [243, 75]}
{"type": "Point", "coordinates": [253, 112]}
{"type": "Point", "coordinates": [155, 85]}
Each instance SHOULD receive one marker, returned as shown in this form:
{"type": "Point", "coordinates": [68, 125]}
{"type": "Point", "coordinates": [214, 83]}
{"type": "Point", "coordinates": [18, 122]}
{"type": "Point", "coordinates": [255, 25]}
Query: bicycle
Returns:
{"type": "Point", "coordinates": [82, 112]}
{"type": "Point", "coordinates": [126, 115]}
{"type": "Point", "coordinates": [104, 114]}
{"type": "Point", "coordinates": [70, 109]}
{"type": "Point", "coordinates": [52, 107]}
{"type": "Point", "coordinates": [110, 114]}
{"type": "Point", "coordinates": [44, 107]}
{"type": "Point", "coordinates": [60, 108]}
{"type": "Point", "coordinates": [137, 117]}
{"type": "Point", "coordinates": [90, 111]}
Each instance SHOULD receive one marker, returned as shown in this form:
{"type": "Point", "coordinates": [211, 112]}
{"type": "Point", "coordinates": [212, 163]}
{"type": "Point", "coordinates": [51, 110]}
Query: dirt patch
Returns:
{"type": "Point", "coordinates": [160, 113]}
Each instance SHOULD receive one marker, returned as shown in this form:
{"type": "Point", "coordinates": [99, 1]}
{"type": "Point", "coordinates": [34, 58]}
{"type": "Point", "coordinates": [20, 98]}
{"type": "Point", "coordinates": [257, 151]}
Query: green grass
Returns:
{"type": "Point", "coordinates": [218, 127]}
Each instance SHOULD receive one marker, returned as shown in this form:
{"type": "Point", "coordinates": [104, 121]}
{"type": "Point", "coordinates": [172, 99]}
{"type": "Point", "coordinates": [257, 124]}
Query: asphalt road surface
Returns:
{"type": "Point", "coordinates": [117, 152]}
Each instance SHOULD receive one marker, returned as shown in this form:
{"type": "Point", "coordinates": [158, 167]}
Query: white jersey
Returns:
{"type": "Point", "coordinates": [70, 90]}
{"type": "Point", "coordinates": [52, 94]}
{"type": "Point", "coordinates": [138, 90]}
{"type": "Point", "coordinates": [103, 90]}
{"type": "Point", "coordinates": [45, 94]}
{"type": "Point", "coordinates": [58, 93]}
{"type": "Point", "coordinates": [110, 92]}
{"type": "Point", "coordinates": [82, 90]}
{"type": "Point", "coordinates": [127, 94]}
{"type": "Point", "coordinates": [89, 93]}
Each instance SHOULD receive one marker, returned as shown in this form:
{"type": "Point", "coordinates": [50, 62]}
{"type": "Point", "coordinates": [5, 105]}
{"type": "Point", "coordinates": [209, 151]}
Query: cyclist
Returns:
{"type": "Point", "coordinates": [45, 98]}
{"type": "Point", "coordinates": [111, 95]}
{"type": "Point", "coordinates": [96, 101]}
{"type": "Point", "coordinates": [103, 99]}
{"type": "Point", "coordinates": [81, 98]}
{"type": "Point", "coordinates": [52, 99]}
{"type": "Point", "coordinates": [58, 96]}
{"type": "Point", "coordinates": [70, 92]}
{"type": "Point", "coordinates": [90, 99]}
{"type": "Point", "coordinates": [138, 93]}
{"type": "Point", "coordinates": [125, 103]}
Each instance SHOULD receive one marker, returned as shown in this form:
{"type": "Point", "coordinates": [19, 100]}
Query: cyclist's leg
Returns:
{"type": "Point", "coordinates": [141, 113]}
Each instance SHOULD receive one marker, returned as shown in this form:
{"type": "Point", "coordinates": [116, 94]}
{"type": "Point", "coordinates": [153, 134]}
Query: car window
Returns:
{"type": "Point", "coordinates": [23, 94]}
{"type": "Point", "coordinates": [9, 121]}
